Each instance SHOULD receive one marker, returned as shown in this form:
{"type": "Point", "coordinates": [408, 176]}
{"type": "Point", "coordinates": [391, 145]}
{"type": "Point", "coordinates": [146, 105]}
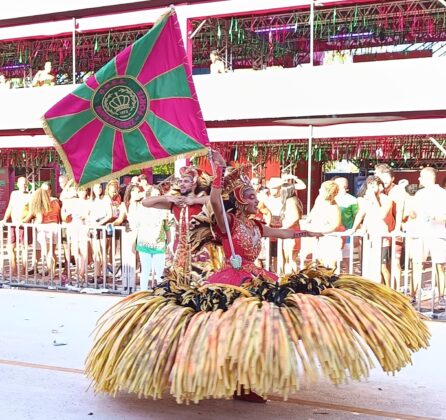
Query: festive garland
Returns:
{"type": "Point", "coordinates": [93, 51]}
{"type": "Point", "coordinates": [400, 151]}
{"type": "Point", "coordinates": [27, 158]}
{"type": "Point", "coordinates": [284, 38]}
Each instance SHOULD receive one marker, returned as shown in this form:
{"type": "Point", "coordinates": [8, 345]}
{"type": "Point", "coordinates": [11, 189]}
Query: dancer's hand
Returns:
{"type": "Point", "coordinates": [175, 199]}
{"type": "Point", "coordinates": [188, 201]}
{"type": "Point", "coordinates": [218, 158]}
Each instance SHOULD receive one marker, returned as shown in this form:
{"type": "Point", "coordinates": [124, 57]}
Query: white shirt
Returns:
{"type": "Point", "coordinates": [429, 205]}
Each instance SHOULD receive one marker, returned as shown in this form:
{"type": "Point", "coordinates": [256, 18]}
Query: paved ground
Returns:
{"type": "Point", "coordinates": [41, 380]}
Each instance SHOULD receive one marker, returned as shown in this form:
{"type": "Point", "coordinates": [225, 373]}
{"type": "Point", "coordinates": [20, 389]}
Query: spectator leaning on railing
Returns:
{"type": "Point", "coordinates": [375, 218]}
{"type": "Point", "coordinates": [17, 211]}
{"type": "Point", "coordinates": [348, 204]}
{"type": "Point", "coordinates": [290, 215]}
{"type": "Point", "coordinates": [397, 194]}
{"type": "Point", "coordinates": [45, 211]}
{"type": "Point", "coordinates": [325, 217]}
{"type": "Point", "coordinates": [100, 214]}
{"type": "Point", "coordinates": [429, 212]}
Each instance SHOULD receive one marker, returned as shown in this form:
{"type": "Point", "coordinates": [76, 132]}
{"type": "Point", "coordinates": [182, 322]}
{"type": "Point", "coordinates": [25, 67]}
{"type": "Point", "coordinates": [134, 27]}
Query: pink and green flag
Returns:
{"type": "Point", "coordinates": [139, 110]}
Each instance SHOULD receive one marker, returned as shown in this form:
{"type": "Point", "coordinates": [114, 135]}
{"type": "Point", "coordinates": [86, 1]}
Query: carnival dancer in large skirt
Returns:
{"type": "Point", "coordinates": [245, 330]}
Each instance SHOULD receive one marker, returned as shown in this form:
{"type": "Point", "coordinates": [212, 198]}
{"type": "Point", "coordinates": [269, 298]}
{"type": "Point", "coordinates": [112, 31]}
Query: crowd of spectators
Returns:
{"type": "Point", "coordinates": [382, 212]}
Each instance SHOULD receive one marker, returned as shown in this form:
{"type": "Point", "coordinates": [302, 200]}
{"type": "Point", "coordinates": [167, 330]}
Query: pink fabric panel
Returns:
{"type": "Point", "coordinates": [78, 148]}
{"type": "Point", "coordinates": [120, 160]}
{"type": "Point", "coordinates": [181, 112]}
{"type": "Point", "coordinates": [122, 60]}
{"type": "Point", "coordinates": [165, 54]}
{"type": "Point", "coordinates": [71, 104]}
{"type": "Point", "coordinates": [155, 148]}
{"type": "Point", "coordinates": [92, 83]}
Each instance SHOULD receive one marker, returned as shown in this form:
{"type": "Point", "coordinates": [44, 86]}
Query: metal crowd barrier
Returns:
{"type": "Point", "coordinates": [361, 254]}
{"type": "Point", "coordinates": [37, 267]}
{"type": "Point", "coordinates": [117, 273]}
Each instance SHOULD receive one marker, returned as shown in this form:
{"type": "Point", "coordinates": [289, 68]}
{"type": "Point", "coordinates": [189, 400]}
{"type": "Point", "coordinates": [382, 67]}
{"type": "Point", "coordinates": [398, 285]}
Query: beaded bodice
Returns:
{"type": "Point", "coordinates": [246, 236]}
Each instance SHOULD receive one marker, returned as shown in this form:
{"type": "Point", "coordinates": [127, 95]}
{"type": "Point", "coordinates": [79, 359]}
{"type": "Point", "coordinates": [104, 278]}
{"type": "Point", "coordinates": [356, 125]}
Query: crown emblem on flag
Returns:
{"type": "Point", "coordinates": [120, 102]}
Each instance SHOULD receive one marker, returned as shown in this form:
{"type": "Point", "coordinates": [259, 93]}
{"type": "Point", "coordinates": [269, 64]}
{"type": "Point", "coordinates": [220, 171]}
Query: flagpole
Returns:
{"type": "Point", "coordinates": [73, 51]}
{"type": "Point", "coordinates": [235, 260]}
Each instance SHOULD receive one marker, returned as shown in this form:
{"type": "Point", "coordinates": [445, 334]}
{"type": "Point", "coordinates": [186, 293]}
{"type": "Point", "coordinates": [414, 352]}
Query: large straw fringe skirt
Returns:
{"type": "Point", "coordinates": [210, 341]}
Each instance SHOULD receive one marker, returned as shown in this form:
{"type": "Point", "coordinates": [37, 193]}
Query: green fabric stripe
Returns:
{"type": "Point", "coordinates": [136, 147]}
{"type": "Point", "coordinates": [141, 48]}
{"type": "Point", "coordinates": [106, 72]}
{"type": "Point", "coordinates": [100, 162]}
{"type": "Point", "coordinates": [65, 127]}
{"type": "Point", "coordinates": [83, 92]}
{"type": "Point", "coordinates": [175, 142]}
{"type": "Point", "coordinates": [172, 84]}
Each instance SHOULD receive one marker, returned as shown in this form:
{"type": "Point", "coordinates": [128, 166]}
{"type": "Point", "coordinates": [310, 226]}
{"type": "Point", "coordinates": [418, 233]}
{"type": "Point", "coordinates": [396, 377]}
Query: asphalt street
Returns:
{"type": "Point", "coordinates": [44, 338]}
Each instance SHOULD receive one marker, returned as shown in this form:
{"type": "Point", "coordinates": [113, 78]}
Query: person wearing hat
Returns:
{"type": "Point", "coordinates": [293, 179]}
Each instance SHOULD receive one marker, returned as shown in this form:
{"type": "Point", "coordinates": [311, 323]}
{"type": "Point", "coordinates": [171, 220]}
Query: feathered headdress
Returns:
{"type": "Point", "coordinates": [189, 171]}
{"type": "Point", "coordinates": [237, 182]}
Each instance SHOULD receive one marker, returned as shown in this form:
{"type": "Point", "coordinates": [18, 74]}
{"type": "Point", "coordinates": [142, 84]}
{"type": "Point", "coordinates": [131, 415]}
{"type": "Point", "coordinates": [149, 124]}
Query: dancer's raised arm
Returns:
{"type": "Point", "coordinates": [217, 186]}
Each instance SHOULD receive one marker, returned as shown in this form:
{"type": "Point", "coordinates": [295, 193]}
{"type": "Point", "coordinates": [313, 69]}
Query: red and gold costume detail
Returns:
{"type": "Point", "coordinates": [183, 215]}
{"type": "Point", "coordinates": [246, 237]}
{"type": "Point", "coordinates": [237, 182]}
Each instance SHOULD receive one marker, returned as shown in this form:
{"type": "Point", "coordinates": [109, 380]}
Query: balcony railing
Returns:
{"type": "Point", "coordinates": [377, 91]}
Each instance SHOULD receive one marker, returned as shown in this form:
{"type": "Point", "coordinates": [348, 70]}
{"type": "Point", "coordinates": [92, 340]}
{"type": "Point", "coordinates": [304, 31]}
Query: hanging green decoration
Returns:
{"type": "Point", "coordinates": [334, 19]}
{"type": "Point", "coordinates": [218, 33]}
{"type": "Point", "coordinates": [230, 29]}
{"type": "Point", "coordinates": [236, 153]}
{"type": "Point", "coordinates": [282, 155]}
{"type": "Point", "coordinates": [108, 42]}
{"type": "Point", "coordinates": [96, 45]}
{"type": "Point", "coordinates": [255, 151]}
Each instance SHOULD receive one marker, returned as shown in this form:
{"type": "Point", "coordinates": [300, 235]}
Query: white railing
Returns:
{"type": "Point", "coordinates": [67, 257]}
{"type": "Point", "coordinates": [93, 260]}
{"type": "Point", "coordinates": [362, 254]}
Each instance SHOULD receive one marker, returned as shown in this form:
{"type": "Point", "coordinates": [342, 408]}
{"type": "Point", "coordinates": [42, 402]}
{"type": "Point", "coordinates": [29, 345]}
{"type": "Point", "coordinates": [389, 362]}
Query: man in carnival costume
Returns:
{"type": "Point", "coordinates": [187, 201]}
{"type": "Point", "coordinates": [243, 329]}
